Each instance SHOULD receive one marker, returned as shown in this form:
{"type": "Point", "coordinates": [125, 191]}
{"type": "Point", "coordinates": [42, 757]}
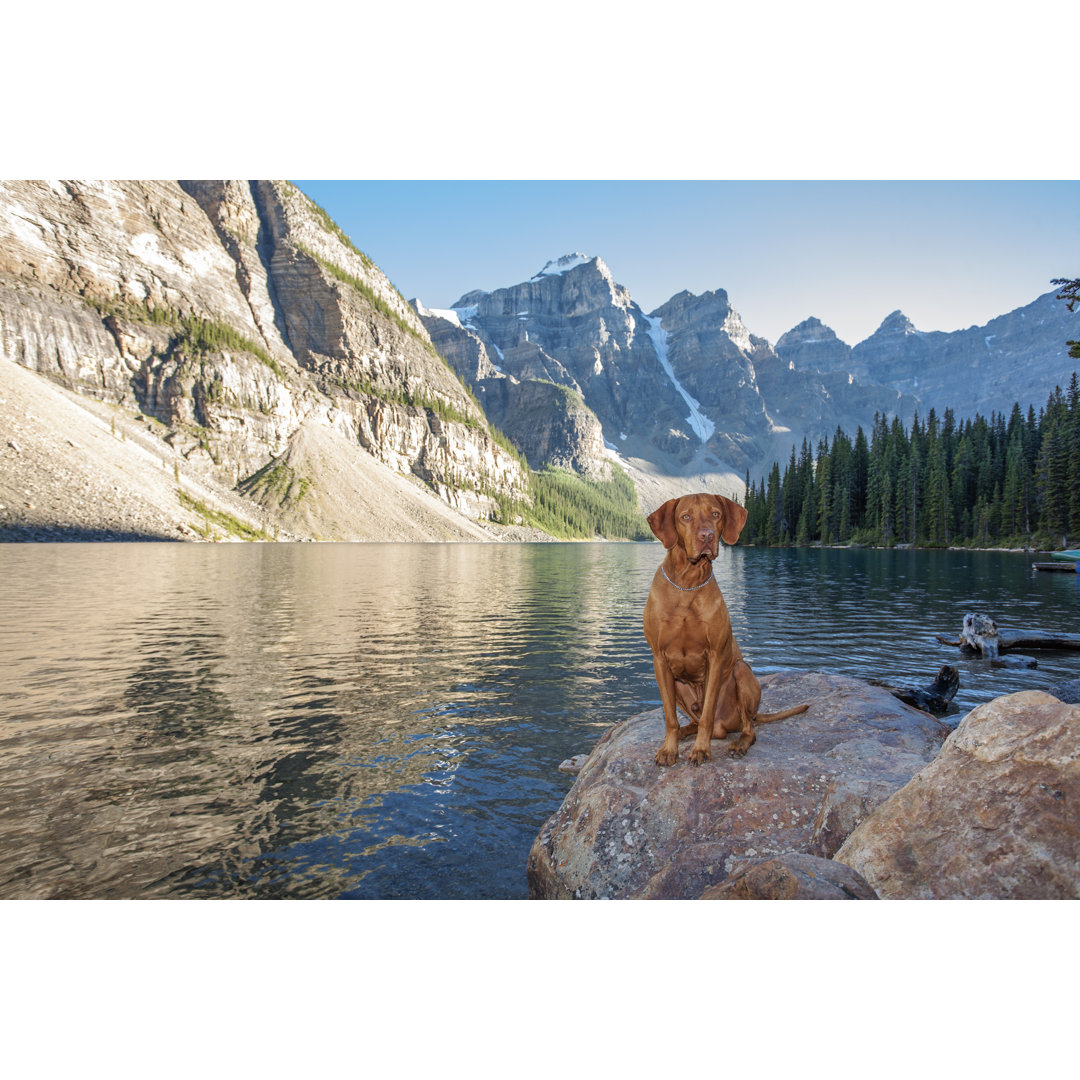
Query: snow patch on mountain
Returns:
{"type": "Point", "coordinates": [736, 330]}
{"type": "Point", "coordinates": [449, 314]}
{"type": "Point", "coordinates": [702, 426]}
{"type": "Point", "coordinates": [554, 267]}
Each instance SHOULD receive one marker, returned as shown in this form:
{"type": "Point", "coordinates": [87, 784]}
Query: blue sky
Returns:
{"type": "Point", "coordinates": [949, 254]}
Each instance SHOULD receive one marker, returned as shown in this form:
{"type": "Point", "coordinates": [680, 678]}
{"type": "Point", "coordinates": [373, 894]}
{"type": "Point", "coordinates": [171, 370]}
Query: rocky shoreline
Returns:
{"type": "Point", "coordinates": [861, 797]}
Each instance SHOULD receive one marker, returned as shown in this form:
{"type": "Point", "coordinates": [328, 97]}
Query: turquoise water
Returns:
{"type": "Point", "coordinates": [387, 721]}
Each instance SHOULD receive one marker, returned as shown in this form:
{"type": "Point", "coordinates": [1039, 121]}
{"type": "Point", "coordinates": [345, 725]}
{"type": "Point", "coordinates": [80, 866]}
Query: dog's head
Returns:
{"type": "Point", "coordinates": [698, 523]}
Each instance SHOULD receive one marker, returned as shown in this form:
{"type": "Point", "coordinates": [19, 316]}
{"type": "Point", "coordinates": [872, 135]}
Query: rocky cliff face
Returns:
{"type": "Point", "coordinates": [549, 423]}
{"type": "Point", "coordinates": [237, 315]}
{"type": "Point", "coordinates": [573, 325]}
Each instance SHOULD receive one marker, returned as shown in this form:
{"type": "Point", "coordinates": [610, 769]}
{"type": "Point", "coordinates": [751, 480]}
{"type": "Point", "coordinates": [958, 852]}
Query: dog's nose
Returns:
{"type": "Point", "coordinates": [706, 536]}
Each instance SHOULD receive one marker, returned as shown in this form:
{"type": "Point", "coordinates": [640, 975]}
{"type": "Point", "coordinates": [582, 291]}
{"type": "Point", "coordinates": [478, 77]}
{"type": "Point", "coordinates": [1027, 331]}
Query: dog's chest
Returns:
{"type": "Point", "coordinates": [687, 638]}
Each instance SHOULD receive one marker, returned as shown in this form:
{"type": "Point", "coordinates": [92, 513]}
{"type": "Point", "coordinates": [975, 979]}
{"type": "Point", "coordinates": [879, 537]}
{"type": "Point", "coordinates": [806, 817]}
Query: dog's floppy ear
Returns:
{"type": "Point", "coordinates": [662, 523]}
{"type": "Point", "coordinates": [734, 519]}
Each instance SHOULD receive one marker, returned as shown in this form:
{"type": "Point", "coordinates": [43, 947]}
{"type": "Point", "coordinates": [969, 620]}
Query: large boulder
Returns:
{"type": "Point", "coordinates": [629, 828]}
{"type": "Point", "coordinates": [795, 876]}
{"type": "Point", "coordinates": [993, 816]}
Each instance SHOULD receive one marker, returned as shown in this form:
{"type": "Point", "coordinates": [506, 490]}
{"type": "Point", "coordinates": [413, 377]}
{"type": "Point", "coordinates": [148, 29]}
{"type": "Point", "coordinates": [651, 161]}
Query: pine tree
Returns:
{"type": "Point", "coordinates": [1052, 469]}
{"type": "Point", "coordinates": [1072, 427]}
{"type": "Point", "coordinates": [824, 486]}
{"type": "Point", "coordinates": [774, 516]}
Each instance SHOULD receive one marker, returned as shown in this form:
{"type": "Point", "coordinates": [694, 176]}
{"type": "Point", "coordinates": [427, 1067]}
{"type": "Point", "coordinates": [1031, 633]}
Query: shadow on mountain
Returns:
{"type": "Point", "coordinates": [76, 534]}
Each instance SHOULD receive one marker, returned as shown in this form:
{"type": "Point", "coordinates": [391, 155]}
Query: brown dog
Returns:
{"type": "Point", "coordinates": [696, 658]}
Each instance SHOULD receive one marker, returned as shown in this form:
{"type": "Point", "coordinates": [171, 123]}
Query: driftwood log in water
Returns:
{"type": "Point", "coordinates": [981, 635]}
{"type": "Point", "coordinates": [934, 698]}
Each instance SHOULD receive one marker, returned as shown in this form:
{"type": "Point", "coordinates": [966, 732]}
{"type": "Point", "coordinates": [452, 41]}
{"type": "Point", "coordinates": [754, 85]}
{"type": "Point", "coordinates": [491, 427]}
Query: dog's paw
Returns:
{"type": "Point", "coordinates": [698, 755]}
{"type": "Point", "coordinates": [740, 747]}
{"type": "Point", "coordinates": [664, 756]}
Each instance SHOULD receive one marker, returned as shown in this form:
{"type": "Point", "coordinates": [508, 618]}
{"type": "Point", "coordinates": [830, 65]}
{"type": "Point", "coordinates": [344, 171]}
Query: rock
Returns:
{"type": "Point", "coordinates": [628, 828]}
{"type": "Point", "coordinates": [574, 764]}
{"type": "Point", "coordinates": [992, 817]}
{"type": "Point", "coordinates": [795, 876]}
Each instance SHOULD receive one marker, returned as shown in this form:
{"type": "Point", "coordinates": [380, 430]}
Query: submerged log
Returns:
{"type": "Point", "coordinates": [981, 635]}
{"type": "Point", "coordinates": [934, 698]}
{"type": "Point", "coordinates": [1035, 639]}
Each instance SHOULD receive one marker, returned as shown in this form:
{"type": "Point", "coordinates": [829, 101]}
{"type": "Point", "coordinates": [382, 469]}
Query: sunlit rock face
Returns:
{"type": "Point", "coordinates": [237, 315]}
{"type": "Point", "coordinates": [988, 818]}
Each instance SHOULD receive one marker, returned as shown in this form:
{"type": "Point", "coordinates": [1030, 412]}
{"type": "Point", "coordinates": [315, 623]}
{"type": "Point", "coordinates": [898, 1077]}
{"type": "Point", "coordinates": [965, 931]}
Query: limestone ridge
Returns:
{"type": "Point", "coordinates": [237, 317]}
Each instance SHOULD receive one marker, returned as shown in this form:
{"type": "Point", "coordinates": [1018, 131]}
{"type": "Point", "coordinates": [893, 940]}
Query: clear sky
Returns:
{"type": "Point", "coordinates": [949, 254]}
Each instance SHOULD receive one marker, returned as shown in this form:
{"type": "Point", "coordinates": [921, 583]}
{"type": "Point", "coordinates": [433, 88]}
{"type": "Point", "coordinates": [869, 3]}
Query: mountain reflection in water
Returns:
{"type": "Point", "coordinates": [386, 721]}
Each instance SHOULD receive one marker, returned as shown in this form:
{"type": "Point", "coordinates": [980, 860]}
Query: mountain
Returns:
{"type": "Point", "coordinates": [266, 361]}
{"type": "Point", "coordinates": [573, 325]}
{"type": "Point", "coordinates": [575, 373]}
{"type": "Point", "coordinates": [1019, 356]}
{"type": "Point", "coordinates": [685, 393]}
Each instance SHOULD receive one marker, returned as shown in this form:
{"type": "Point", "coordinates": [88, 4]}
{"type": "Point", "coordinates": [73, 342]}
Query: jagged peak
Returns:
{"type": "Point", "coordinates": [810, 331]}
{"type": "Point", "coordinates": [554, 267]}
{"type": "Point", "coordinates": [705, 302]}
{"type": "Point", "coordinates": [896, 323]}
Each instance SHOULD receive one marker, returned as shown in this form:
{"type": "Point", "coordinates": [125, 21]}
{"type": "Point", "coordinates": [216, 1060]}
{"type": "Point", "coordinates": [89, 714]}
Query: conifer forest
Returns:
{"type": "Point", "coordinates": [1006, 481]}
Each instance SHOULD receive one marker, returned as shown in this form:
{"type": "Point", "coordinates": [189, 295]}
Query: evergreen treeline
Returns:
{"type": "Point", "coordinates": [1009, 482]}
{"type": "Point", "coordinates": [572, 507]}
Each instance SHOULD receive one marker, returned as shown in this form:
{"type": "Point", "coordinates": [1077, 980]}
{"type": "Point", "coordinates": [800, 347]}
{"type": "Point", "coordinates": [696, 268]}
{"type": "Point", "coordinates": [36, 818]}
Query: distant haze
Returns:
{"type": "Point", "coordinates": [949, 254]}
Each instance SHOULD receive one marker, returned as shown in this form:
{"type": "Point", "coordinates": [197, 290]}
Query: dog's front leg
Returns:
{"type": "Point", "coordinates": [668, 753]}
{"type": "Point", "coordinates": [700, 752]}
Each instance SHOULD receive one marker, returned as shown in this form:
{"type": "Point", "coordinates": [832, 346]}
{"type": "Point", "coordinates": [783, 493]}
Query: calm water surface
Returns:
{"type": "Point", "coordinates": [386, 721]}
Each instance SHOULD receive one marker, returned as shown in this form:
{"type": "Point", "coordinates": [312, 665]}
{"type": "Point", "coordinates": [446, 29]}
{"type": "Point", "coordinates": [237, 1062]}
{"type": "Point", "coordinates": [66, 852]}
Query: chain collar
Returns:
{"type": "Point", "coordinates": [693, 588]}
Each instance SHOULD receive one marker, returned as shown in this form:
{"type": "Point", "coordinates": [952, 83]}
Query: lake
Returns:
{"type": "Point", "coordinates": [355, 721]}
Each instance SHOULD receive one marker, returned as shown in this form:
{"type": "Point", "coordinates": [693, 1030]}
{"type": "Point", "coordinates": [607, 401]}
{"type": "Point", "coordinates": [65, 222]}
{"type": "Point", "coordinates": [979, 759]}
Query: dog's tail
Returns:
{"type": "Point", "coordinates": [769, 717]}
